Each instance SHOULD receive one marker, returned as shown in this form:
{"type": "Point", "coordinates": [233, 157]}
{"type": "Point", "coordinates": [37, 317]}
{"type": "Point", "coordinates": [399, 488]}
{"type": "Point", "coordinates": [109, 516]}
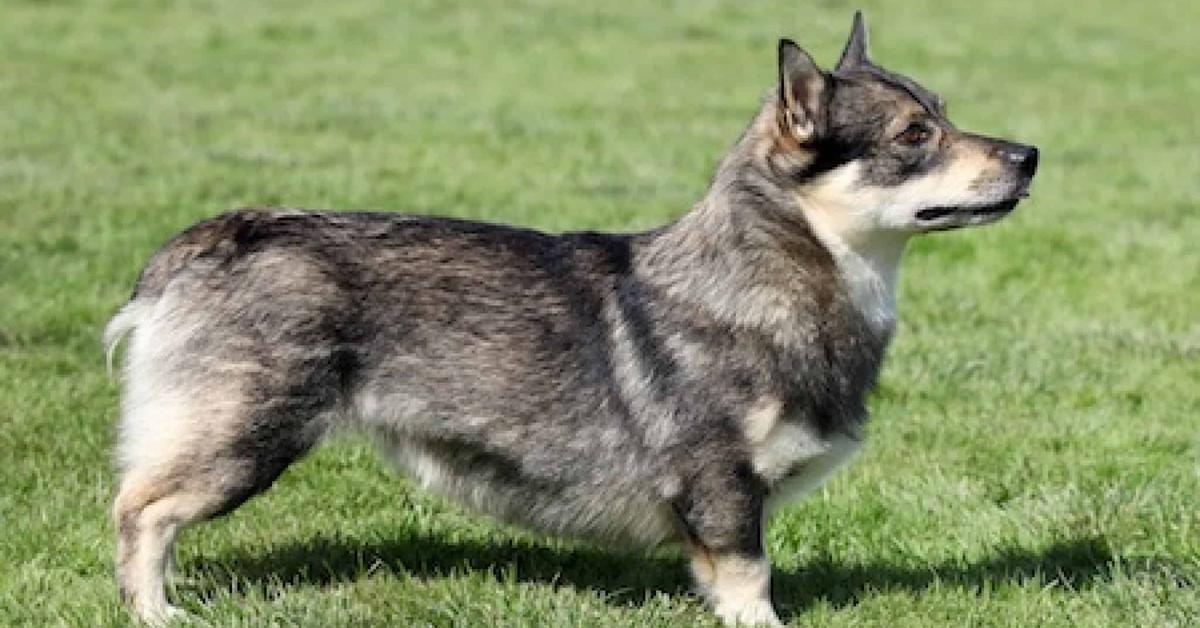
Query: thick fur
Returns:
{"type": "Point", "coordinates": [663, 386]}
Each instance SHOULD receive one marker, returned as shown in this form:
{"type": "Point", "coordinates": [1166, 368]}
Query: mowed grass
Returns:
{"type": "Point", "coordinates": [1034, 458]}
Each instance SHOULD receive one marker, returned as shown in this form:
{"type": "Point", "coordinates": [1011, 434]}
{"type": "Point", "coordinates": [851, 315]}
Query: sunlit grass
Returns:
{"type": "Point", "coordinates": [1034, 454]}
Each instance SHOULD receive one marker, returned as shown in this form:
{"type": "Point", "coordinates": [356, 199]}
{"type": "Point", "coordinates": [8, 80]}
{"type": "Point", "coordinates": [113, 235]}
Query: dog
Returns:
{"type": "Point", "coordinates": [675, 385]}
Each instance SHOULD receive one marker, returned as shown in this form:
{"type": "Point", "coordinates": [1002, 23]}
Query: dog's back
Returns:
{"type": "Point", "coordinates": [478, 353]}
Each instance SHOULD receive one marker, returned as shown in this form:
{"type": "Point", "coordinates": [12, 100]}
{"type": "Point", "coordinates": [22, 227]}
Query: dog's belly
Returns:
{"type": "Point", "coordinates": [494, 487]}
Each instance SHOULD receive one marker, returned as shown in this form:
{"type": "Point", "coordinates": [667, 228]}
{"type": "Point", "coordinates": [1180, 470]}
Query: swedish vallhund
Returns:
{"type": "Point", "coordinates": [672, 385]}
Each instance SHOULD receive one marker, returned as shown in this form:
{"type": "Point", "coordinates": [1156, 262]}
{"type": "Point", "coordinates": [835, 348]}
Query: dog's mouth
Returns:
{"type": "Point", "coordinates": [941, 218]}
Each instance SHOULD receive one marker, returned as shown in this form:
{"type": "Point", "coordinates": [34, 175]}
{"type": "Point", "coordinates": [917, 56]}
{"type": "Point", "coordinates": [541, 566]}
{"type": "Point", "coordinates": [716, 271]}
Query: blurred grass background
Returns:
{"type": "Point", "coordinates": [1034, 457]}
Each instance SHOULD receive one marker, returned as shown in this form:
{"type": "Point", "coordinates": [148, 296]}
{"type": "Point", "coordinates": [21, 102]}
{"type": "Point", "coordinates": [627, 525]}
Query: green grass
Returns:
{"type": "Point", "coordinates": [1035, 453]}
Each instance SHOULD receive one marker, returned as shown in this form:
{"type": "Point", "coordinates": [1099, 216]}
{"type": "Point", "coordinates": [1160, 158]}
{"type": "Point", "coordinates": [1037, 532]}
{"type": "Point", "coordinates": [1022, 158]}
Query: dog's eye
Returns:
{"type": "Point", "coordinates": [914, 134]}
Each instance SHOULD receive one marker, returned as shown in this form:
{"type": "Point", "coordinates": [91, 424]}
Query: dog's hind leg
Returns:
{"type": "Point", "coordinates": [148, 513]}
{"type": "Point", "coordinates": [186, 461]}
{"type": "Point", "coordinates": [722, 513]}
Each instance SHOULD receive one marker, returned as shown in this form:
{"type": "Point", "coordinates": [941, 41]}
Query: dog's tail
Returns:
{"type": "Point", "coordinates": [126, 319]}
{"type": "Point", "coordinates": [213, 237]}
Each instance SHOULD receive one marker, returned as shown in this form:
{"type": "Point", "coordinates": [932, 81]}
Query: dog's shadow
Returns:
{"type": "Point", "coordinates": [625, 578]}
{"type": "Point", "coordinates": [629, 579]}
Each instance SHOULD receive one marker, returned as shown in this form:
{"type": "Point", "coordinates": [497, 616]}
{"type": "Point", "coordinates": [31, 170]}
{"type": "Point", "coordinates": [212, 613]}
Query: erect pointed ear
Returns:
{"type": "Point", "coordinates": [801, 86]}
{"type": "Point", "coordinates": [855, 53]}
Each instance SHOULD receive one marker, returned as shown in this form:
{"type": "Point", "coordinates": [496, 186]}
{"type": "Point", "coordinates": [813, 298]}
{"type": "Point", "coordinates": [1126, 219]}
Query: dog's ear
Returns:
{"type": "Point", "coordinates": [855, 53]}
{"type": "Point", "coordinates": [801, 86]}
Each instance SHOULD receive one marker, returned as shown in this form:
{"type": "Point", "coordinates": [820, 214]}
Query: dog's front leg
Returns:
{"type": "Point", "coordinates": [737, 586]}
{"type": "Point", "coordinates": [722, 514]}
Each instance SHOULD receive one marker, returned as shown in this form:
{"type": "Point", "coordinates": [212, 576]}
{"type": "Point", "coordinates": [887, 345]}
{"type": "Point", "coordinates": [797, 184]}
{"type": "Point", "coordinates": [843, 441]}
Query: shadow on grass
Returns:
{"type": "Point", "coordinates": [1074, 564]}
{"type": "Point", "coordinates": [629, 579]}
{"type": "Point", "coordinates": [626, 578]}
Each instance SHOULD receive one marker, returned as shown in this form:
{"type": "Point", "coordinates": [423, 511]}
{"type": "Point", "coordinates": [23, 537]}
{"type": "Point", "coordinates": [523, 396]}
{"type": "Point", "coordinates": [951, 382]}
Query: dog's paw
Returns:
{"type": "Point", "coordinates": [161, 615]}
{"type": "Point", "coordinates": [755, 613]}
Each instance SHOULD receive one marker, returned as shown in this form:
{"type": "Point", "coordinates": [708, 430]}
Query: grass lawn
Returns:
{"type": "Point", "coordinates": [1034, 458]}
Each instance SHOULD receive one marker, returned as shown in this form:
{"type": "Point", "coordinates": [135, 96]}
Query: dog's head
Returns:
{"type": "Point", "coordinates": [872, 151]}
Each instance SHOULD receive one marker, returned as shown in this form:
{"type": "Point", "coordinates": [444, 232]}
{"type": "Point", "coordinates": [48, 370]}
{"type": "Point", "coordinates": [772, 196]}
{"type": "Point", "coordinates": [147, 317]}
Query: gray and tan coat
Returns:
{"type": "Point", "coordinates": [664, 386]}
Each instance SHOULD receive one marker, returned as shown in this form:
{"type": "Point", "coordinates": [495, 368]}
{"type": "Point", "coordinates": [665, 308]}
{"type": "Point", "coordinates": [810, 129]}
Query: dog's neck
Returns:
{"type": "Point", "coordinates": [868, 259]}
{"type": "Point", "coordinates": [756, 260]}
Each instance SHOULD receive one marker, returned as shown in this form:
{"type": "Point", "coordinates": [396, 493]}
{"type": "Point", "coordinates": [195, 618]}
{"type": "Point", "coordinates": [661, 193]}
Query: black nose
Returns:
{"type": "Point", "coordinates": [1025, 158]}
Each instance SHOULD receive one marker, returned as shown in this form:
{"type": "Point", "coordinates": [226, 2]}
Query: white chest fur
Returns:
{"type": "Point", "coordinates": [791, 456]}
{"type": "Point", "coordinates": [870, 277]}
{"type": "Point", "coordinates": [809, 473]}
